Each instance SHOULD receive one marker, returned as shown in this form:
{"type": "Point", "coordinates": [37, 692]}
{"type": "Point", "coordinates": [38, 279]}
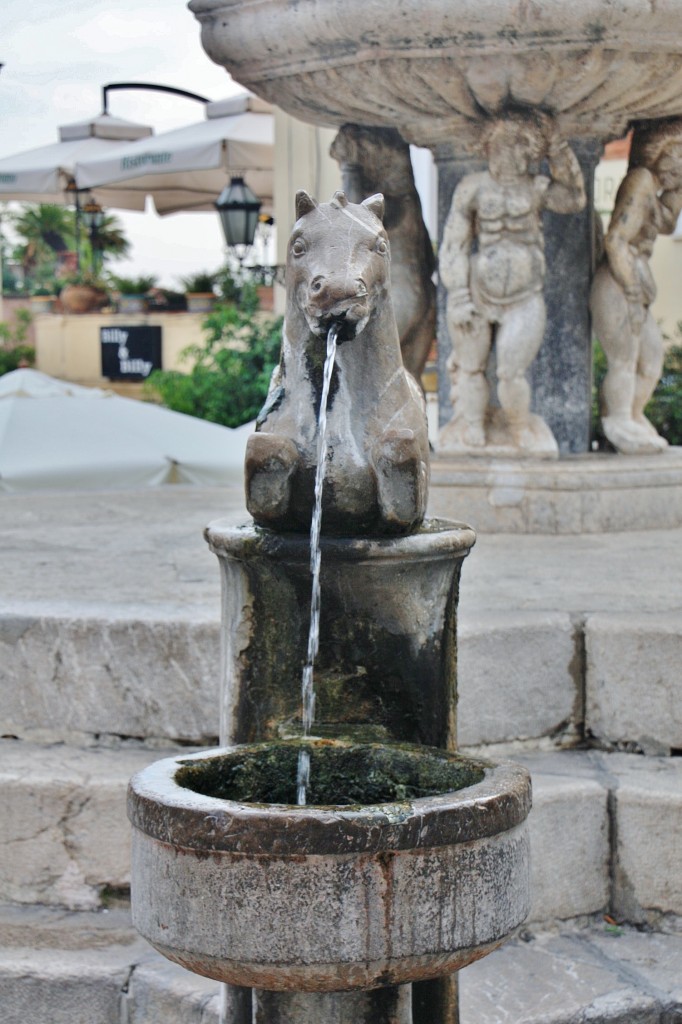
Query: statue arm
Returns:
{"type": "Point", "coordinates": [455, 251]}
{"type": "Point", "coordinates": [671, 202]}
{"type": "Point", "coordinates": [566, 190]}
{"type": "Point", "coordinates": [627, 220]}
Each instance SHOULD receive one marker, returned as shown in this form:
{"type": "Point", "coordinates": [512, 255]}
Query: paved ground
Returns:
{"type": "Point", "coordinates": [143, 551]}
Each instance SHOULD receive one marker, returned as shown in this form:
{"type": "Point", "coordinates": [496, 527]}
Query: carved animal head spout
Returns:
{"type": "Point", "coordinates": [337, 263]}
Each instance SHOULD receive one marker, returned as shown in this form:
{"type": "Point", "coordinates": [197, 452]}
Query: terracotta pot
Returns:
{"type": "Point", "coordinates": [82, 298]}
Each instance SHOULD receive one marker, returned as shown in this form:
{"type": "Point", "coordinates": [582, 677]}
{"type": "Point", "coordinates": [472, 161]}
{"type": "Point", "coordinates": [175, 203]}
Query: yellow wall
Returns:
{"type": "Point", "coordinates": [68, 347]}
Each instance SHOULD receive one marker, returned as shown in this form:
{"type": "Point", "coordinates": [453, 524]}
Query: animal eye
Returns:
{"type": "Point", "coordinates": [298, 247]}
{"type": "Point", "coordinates": [381, 247]}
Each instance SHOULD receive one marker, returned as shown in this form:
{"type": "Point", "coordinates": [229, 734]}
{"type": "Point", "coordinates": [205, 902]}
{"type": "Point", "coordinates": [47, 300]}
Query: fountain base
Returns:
{"type": "Point", "coordinates": [333, 897]}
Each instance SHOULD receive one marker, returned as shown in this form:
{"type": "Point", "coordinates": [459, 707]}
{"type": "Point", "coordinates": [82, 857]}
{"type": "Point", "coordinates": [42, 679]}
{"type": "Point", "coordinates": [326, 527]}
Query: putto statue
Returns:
{"type": "Point", "coordinates": [493, 266]}
{"type": "Point", "coordinates": [376, 482]}
{"type": "Point", "coordinates": [648, 203]}
{"type": "Point", "coordinates": [378, 160]}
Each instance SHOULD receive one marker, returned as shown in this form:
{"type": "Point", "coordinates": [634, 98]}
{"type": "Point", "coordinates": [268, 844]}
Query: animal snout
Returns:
{"type": "Point", "coordinates": [330, 299]}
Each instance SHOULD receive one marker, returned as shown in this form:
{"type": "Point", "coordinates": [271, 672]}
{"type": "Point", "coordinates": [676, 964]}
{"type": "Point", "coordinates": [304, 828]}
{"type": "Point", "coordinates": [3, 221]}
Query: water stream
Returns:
{"type": "Point", "coordinates": [307, 683]}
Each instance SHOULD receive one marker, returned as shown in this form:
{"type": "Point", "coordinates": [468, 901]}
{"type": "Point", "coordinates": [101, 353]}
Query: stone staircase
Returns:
{"type": "Point", "coordinates": [568, 664]}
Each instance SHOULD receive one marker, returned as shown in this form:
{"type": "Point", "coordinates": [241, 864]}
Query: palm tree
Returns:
{"type": "Point", "coordinates": [45, 231]}
{"type": "Point", "coordinates": [107, 241]}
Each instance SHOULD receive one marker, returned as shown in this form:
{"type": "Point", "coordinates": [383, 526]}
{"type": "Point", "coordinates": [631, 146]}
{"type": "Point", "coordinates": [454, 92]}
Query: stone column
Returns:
{"type": "Point", "coordinates": [391, 1005]}
{"type": "Point", "coordinates": [561, 375]}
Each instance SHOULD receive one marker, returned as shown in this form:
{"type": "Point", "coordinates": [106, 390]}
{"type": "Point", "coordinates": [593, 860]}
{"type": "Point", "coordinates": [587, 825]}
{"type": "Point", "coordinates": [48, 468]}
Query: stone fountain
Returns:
{"type": "Point", "coordinates": [406, 860]}
{"type": "Point", "coordinates": [468, 81]}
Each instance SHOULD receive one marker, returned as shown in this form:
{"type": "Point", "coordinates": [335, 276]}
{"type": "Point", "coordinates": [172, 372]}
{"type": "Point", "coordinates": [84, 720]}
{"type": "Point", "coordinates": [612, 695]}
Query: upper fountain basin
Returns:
{"type": "Point", "coordinates": [432, 69]}
{"type": "Point", "coordinates": [324, 898]}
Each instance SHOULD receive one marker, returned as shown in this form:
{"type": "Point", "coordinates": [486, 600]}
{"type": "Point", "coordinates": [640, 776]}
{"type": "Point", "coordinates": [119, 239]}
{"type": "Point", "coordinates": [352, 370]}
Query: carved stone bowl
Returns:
{"type": "Point", "coordinates": [431, 69]}
{"type": "Point", "coordinates": [414, 864]}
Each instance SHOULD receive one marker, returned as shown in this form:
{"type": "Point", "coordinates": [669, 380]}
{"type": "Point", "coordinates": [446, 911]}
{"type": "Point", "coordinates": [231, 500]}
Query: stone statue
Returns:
{"type": "Point", "coordinates": [492, 264]}
{"type": "Point", "coordinates": [376, 482]}
{"type": "Point", "coordinates": [648, 203]}
{"type": "Point", "coordinates": [378, 159]}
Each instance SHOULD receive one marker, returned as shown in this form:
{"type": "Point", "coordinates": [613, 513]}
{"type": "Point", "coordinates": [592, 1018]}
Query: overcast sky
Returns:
{"type": "Point", "coordinates": [58, 54]}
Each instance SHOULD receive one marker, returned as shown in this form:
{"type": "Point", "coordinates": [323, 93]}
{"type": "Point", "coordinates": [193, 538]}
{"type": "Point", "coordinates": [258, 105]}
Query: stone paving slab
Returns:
{"type": "Point", "coordinates": [587, 974]}
{"type": "Point", "coordinates": [144, 548]}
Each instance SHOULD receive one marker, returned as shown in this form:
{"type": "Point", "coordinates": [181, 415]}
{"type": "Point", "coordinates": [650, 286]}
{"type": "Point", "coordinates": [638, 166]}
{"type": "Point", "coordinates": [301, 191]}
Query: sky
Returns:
{"type": "Point", "coordinates": [57, 55]}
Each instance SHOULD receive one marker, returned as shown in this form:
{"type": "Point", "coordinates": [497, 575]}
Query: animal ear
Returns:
{"type": "Point", "coordinates": [339, 199]}
{"type": "Point", "coordinates": [304, 203]}
{"type": "Point", "coordinates": [375, 204]}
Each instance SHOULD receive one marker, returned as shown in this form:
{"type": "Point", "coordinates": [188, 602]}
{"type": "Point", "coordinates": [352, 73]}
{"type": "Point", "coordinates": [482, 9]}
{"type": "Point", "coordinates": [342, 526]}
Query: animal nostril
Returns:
{"type": "Point", "coordinates": [316, 285]}
{"type": "Point", "coordinates": [361, 291]}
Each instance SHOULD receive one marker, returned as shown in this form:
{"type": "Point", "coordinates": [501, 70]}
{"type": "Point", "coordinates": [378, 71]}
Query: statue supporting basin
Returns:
{"type": "Point", "coordinates": [407, 861]}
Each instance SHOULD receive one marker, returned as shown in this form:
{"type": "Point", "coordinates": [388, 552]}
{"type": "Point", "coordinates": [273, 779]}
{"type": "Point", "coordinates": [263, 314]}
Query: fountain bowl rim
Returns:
{"type": "Point", "coordinates": [437, 538]}
{"type": "Point", "coordinates": [170, 813]}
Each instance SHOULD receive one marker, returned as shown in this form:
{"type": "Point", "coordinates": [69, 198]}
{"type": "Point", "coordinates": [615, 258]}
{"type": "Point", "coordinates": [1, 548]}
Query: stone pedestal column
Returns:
{"type": "Point", "coordinates": [391, 1005]}
{"type": "Point", "coordinates": [386, 669]}
{"type": "Point", "coordinates": [561, 375]}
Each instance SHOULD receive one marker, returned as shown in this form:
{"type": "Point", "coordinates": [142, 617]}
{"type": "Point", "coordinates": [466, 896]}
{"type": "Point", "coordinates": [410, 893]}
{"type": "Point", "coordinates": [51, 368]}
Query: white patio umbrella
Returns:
{"type": "Point", "coordinates": [56, 435]}
{"type": "Point", "coordinates": [42, 175]}
{"type": "Point", "coordinates": [187, 168]}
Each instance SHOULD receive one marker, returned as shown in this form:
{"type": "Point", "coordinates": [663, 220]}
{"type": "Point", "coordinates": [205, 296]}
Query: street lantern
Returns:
{"type": "Point", "coordinates": [239, 208]}
{"type": "Point", "coordinates": [93, 217]}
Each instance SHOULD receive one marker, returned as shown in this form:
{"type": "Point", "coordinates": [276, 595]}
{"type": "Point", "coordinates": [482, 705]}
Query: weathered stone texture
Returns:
{"type": "Point", "coordinates": [633, 672]}
{"type": "Point", "coordinates": [62, 677]}
{"type": "Point", "coordinates": [516, 677]}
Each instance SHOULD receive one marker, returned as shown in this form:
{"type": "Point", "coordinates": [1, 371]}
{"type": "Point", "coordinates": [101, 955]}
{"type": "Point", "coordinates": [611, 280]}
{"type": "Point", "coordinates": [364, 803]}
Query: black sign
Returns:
{"type": "Point", "coordinates": [130, 353]}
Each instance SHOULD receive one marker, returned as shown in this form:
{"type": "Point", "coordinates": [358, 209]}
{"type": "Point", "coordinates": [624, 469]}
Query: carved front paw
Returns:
{"type": "Point", "coordinates": [401, 476]}
{"type": "Point", "coordinates": [269, 467]}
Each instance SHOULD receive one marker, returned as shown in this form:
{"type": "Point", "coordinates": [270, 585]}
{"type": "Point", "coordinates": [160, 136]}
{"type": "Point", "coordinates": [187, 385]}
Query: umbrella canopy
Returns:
{"type": "Point", "coordinates": [56, 435]}
{"type": "Point", "coordinates": [187, 168]}
{"type": "Point", "coordinates": [42, 175]}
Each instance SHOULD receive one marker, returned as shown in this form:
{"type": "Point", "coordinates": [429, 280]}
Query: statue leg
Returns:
{"type": "Point", "coordinates": [518, 341]}
{"type": "Point", "coordinates": [269, 467]}
{"type": "Point", "coordinates": [401, 478]}
{"type": "Point", "coordinates": [648, 374]}
{"type": "Point", "coordinates": [622, 346]}
{"type": "Point", "coordinates": [470, 393]}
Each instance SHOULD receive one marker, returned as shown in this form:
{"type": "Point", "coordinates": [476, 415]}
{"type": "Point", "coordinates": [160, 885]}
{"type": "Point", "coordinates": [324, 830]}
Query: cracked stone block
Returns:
{"type": "Point", "coordinates": [569, 836]}
{"type": "Point", "coordinates": [162, 991]}
{"type": "Point", "coordinates": [55, 986]}
{"type": "Point", "coordinates": [516, 676]}
{"type": "Point", "coordinates": [633, 679]}
{"type": "Point", "coordinates": [553, 979]}
{"type": "Point", "coordinates": [65, 834]}
{"type": "Point", "coordinates": [648, 835]}
{"type": "Point", "coordinates": [64, 677]}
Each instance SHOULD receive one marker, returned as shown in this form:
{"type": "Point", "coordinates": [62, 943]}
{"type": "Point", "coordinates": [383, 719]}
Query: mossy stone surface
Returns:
{"type": "Point", "coordinates": [340, 774]}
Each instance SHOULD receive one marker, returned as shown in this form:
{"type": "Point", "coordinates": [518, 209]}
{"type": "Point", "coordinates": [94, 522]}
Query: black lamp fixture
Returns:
{"type": "Point", "coordinates": [239, 208]}
{"type": "Point", "coordinates": [93, 217]}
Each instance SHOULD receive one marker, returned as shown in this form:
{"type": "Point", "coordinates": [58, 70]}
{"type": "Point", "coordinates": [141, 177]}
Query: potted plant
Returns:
{"type": "Point", "coordinates": [83, 292]}
{"type": "Point", "coordinates": [132, 292]}
{"type": "Point", "coordinates": [199, 289]}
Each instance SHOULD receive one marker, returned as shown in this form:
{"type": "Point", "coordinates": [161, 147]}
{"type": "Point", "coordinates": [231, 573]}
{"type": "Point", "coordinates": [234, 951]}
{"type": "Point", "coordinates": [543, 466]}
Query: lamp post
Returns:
{"type": "Point", "coordinates": [238, 208]}
{"type": "Point", "coordinates": [93, 216]}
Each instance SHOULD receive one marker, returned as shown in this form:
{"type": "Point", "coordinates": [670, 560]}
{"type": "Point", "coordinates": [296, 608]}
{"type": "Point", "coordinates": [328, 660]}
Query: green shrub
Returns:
{"type": "Point", "coordinates": [231, 373]}
{"type": "Point", "coordinates": [14, 352]}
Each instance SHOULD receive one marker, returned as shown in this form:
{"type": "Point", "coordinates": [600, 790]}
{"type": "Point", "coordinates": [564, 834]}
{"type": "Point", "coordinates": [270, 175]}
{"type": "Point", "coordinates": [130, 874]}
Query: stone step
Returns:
{"type": "Point", "coordinates": [541, 678]}
{"type": "Point", "coordinates": [58, 968]}
{"type": "Point", "coordinates": [606, 829]}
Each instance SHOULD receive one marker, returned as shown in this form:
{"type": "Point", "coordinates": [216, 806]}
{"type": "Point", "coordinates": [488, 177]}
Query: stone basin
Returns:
{"type": "Point", "coordinates": [421, 869]}
{"type": "Point", "coordinates": [431, 69]}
